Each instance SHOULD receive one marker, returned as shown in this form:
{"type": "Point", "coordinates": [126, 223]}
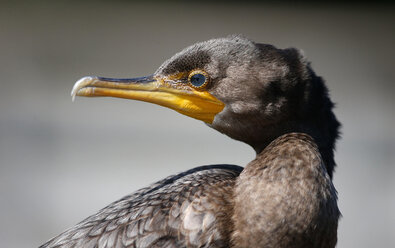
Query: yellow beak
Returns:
{"type": "Point", "coordinates": [200, 105]}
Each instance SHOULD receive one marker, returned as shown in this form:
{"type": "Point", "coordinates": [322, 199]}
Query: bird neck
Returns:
{"type": "Point", "coordinates": [285, 198]}
{"type": "Point", "coordinates": [314, 116]}
{"type": "Point", "coordinates": [321, 137]}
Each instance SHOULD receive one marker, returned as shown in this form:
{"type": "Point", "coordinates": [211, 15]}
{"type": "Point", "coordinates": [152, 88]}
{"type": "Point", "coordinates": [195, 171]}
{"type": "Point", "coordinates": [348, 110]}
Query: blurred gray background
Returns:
{"type": "Point", "coordinates": [62, 161]}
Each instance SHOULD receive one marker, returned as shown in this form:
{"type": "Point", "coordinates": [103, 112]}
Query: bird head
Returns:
{"type": "Point", "coordinates": [249, 91]}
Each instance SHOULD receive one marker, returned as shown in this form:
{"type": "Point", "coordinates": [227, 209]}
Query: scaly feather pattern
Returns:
{"type": "Point", "coordinates": [185, 210]}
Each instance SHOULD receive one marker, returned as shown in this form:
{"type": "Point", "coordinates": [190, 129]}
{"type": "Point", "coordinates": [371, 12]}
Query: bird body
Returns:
{"type": "Point", "coordinates": [266, 97]}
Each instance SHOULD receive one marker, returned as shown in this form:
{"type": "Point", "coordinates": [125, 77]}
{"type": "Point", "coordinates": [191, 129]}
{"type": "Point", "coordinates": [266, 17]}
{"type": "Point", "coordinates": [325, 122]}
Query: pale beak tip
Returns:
{"type": "Point", "coordinates": [83, 82]}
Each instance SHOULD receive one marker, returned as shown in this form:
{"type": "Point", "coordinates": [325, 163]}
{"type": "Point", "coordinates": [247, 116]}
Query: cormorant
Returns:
{"type": "Point", "coordinates": [267, 97]}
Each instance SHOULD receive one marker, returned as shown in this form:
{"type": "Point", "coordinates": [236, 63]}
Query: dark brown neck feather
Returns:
{"type": "Point", "coordinates": [315, 118]}
{"type": "Point", "coordinates": [285, 198]}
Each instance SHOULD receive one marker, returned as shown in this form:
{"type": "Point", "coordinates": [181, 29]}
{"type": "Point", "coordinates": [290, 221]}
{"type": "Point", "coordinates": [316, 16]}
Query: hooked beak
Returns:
{"type": "Point", "coordinates": [200, 105]}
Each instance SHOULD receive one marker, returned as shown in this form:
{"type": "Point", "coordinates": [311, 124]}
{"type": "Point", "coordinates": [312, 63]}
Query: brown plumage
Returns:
{"type": "Point", "coordinates": [290, 171]}
{"type": "Point", "coordinates": [274, 102]}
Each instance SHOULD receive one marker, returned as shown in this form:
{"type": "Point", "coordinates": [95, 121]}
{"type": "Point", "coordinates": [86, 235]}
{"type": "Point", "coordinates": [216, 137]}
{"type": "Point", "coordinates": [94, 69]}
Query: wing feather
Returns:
{"type": "Point", "coordinates": [184, 210]}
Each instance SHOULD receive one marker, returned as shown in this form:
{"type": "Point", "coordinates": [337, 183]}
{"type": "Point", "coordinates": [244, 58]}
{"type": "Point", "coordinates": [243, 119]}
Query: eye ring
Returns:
{"type": "Point", "coordinates": [198, 79]}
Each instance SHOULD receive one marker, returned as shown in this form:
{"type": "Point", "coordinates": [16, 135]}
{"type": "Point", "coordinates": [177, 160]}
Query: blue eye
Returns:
{"type": "Point", "coordinates": [198, 79]}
